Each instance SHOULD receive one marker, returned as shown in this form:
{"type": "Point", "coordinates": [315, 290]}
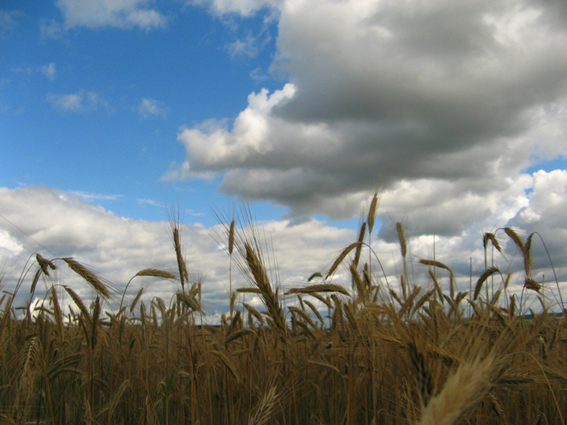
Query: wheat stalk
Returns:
{"type": "Point", "coordinates": [88, 276]}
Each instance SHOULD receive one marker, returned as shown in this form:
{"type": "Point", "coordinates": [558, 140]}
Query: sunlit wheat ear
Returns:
{"type": "Point", "coordinates": [188, 300]}
{"type": "Point", "coordinates": [44, 267]}
{"type": "Point", "coordinates": [340, 258]}
{"type": "Point", "coordinates": [311, 289]}
{"type": "Point", "coordinates": [372, 213]}
{"type": "Point", "coordinates": [464, 388]}
{"type": "Point", "coordinates": [30, 367]}
{"type": "Point", "coordinates": [528, 255]}
{"type": "Point", "coordinates": [532, 285]}
{"type": "Point", "coordinates": [156, 273]}
{"type": "Point", "coordinates": [79, 303]}
{"type": "Point", "coordinates": [485, 275]}
{"type": "Point", "coordinates": [439, 264]}
{"type": "Point", "coordinates": [57, 310]}
{"type": "Point", "coordinates": [265, 409]}
{"type": "Point", "coordinates": [402, 239]}
{"type": "Point", "coordinates": [45, 264]}
{"type": "Point", "coordinates": [248, 291]}
{"type": "Point", "coordinates": [361, 288]}
{"type": "Point", "coordinates": [314, 275]}
{"type": "Point", "coordinates": [422, 374]}
{"type": "Point", "coordinates": [228, 363]}
{"type": "Point", "coordinates": [88, 276]}
{"type": "Point", "coordinates": [231, 237]}
{"type": "Point", "coordinates": [492, 238]}
{"type": "Point", "coordinates": [303, 315]}
{"type": "Point", "coordinates": [358, 250]}
{"type": "Point", "coordinates": [254, 313]}
{"type": "Point", "coordinates": [183, 273]}
{"type": "Point", "coordinates": [315, 311]}
{"type": "Point", "coordinates": [239, 334]}
{"type": "Point", "coordinates": [136, 299]}
{"type": "Point", "coordinates": [232, 301]}
{"type": "Point", "coordinates": [269, 296]}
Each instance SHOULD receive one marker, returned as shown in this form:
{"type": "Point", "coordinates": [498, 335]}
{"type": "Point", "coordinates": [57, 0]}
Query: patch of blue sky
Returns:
{"type": "Point", "coordinates": [559, 163]}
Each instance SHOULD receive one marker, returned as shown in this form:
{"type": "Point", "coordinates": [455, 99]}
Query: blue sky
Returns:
{"type": "Point", "coordinates": [98, 110]}
{"type": "Point", "coordinates": [455, 112]}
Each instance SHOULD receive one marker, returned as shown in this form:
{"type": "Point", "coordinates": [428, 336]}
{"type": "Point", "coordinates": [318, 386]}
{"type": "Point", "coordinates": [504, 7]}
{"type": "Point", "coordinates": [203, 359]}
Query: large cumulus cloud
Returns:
{"type": "Point", "coordinates": [57, 223]}
{"type": "Point", "coordinates": [453, 97]}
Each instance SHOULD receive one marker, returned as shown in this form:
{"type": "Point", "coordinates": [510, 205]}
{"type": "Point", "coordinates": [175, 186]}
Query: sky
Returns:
{"type": "Point", "coordinates": [117, 115]}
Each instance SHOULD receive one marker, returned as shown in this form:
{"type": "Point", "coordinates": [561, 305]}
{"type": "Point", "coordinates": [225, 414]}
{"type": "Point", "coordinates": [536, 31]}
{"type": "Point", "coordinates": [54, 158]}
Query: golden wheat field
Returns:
{"type": "Point", "coordinates": [379, 352]}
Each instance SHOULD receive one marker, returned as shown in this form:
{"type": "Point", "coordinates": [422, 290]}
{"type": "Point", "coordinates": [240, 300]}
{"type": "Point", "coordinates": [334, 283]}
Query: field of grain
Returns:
{"type": "Point", "coordinates": [377, 352]}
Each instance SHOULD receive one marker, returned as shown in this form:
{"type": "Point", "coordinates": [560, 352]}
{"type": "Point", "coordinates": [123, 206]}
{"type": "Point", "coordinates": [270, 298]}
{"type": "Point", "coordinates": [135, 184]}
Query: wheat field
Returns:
{"type": "Point", "coordinates": [377, 352]}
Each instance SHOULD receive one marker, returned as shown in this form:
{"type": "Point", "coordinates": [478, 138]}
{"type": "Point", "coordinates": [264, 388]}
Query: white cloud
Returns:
{"type": "Point", "coordinates": [151, 202]}
{"type": "Point", "coordinates": [152, 108]}
{"type": "Point", "coordinates": [70, 102]}
{"type": "Point", "coordinates": [449, 100]}
{"type": "Point", "coordinates": [241, 7]}
{"type": "Point", "coordinates": [77, 102]}
{"type": "Point", "coordinates": [8, 22]}
{"type": "Point", "coordinates": [109, 13]}
{"type": "Point", "coordinates": [90, 197]}
{"type": "Point", "coordinates": [243, 47]}
{"type": "Point", "coordinates": [60, 224]}
{"type": "Point", "coordinates": [49, 70]}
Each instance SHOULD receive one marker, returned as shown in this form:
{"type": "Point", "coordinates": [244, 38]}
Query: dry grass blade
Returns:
{"type": "Point", "coordinates": [340, 258]}
{"type": "Point", "coordinates": [327, 287]}
{"type": "Point", "coordinates": [485, 275]}
{"type": "Point", "coordinates": [88, 276]}
{"type": "Point", "coordinates": [156, 273]}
